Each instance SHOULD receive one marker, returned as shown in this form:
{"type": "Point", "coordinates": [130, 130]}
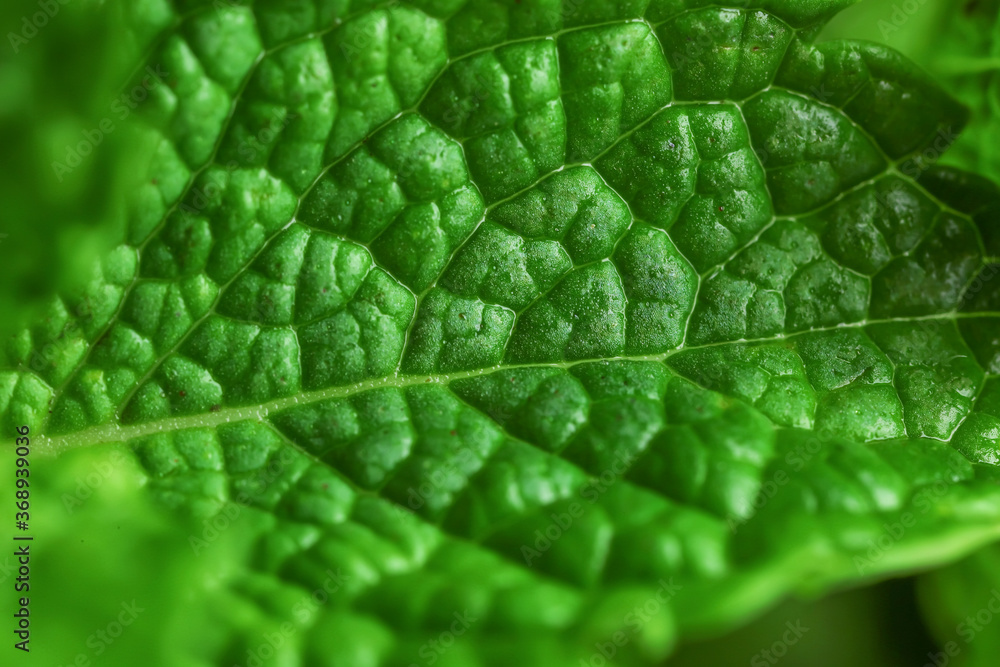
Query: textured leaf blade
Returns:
{"type": "Point", "coordinates": [545, 318]}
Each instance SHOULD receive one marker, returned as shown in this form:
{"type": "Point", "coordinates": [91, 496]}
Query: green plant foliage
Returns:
{"type": "Point", "coordinates": [962, 604]}
{"type": "Point", "coordinates": [957, 41]}
{"type": "Point", "coordinates": [520, 328]}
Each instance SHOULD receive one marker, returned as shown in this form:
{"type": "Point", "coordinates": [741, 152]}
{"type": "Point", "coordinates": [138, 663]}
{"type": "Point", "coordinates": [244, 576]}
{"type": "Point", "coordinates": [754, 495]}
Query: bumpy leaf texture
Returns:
{"type": "Point", "coordinates": [570, 318]}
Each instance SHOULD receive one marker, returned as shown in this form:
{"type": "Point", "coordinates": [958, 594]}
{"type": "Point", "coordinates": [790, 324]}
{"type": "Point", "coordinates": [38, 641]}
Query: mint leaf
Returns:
{"type": "Point", "coordinates": [958, 42]}
{"type": "Point", "coordinates": [539, 314]}
{"type": "Point", "coordinates": [959, 602]}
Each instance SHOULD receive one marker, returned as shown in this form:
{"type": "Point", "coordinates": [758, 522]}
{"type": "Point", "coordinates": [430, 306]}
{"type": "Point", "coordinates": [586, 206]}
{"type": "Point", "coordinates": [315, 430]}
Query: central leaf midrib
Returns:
{"type": "Point", "coordinates": [116, 433]}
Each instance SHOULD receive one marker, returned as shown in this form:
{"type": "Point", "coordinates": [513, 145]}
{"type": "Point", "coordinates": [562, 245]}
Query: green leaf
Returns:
{"type": "Point", "coordinates": [962, 602]}
{"type": "Point", "coordinates": [959, 43]}
{"type": "Point", "coordinates": [522, 330]}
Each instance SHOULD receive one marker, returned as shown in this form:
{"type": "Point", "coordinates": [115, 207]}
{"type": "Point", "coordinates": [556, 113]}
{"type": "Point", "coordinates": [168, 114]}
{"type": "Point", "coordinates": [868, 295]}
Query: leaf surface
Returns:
{"type": "Point", "coordinates": [542, 314]}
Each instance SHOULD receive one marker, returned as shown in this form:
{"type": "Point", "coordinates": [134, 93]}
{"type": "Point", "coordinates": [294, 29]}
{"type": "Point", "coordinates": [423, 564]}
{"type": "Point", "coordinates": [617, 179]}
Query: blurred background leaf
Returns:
{"type": "Point", "coordinates": [103, 545]}
{"type": "Point", "coordinates": [962, 606]}
{"type": "Point", "coordinates": [61, 66]}
{"type": "Point", "coordinates": [872, 626]}
{"type": "Point", "coordinates": [957, 41]}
